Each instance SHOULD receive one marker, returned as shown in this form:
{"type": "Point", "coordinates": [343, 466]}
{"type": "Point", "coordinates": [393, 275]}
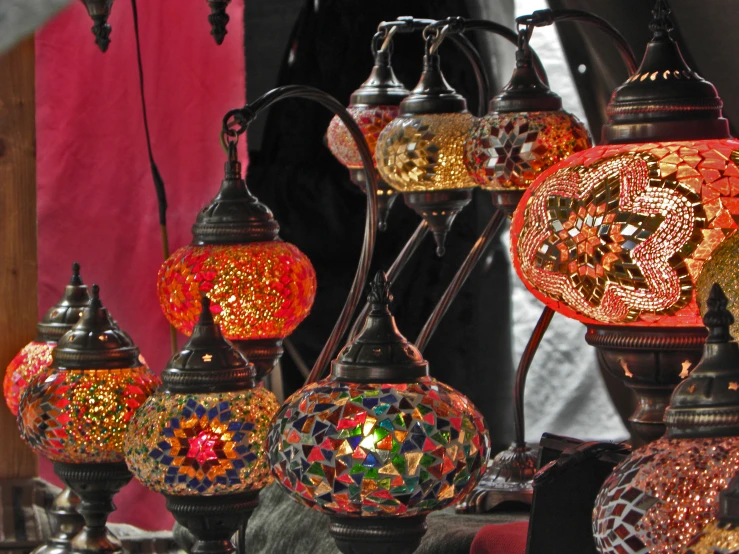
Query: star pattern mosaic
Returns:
{"type": "Point", "coordinates": [81, 416]}
{"type": "Point", "coordinates": [204, 444]}
{"type": "Point", "coordinates": [509, 150]}
{"type": "Point", "coordinates": [33, 359]}
{"type": "Point", "coordinates": [371, 120]}
{"type": "Point", "coordinates": [663, 495]}
{"type": "Point", "coordinates": [378, 450]}
{"type": "Point", "coordinates": [692, 186]}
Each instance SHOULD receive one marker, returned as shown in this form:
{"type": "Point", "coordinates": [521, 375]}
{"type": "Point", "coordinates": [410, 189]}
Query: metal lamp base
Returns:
{"type": "Point", "coordinates": [95, 484]}
{"type": "Point", "coordinates": [213, 520]}
{"type": "Point", "coordinates": [386, 196]}
{"type": "Point", "coordinates": [651, 361]}
{"type": "Point", "coordinates": [439, 209]}
{"type": "Point", "coordinates": [65, 523]}
{"type": "Point", "coordinates": [263, 353]}
{"type": "Point", "coordinates": [370, 535]}
{"type": "Point", "coordinates": [509, 478]}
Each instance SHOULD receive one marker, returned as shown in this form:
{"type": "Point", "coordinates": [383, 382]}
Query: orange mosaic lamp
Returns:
{"type": "Point", "coordinates": [260, 288]}
{"type": "Point", "coordinates": [373, 106]}
{"type": "Point", "coordinates": [199, 440]}
{"type": "Point", "coordinates": [76, 415]}
{"type": "Point", "coordinates": [616, 236]}
{"type": "Point", "coordinates": [525, 132]}
{"type": "Point", "coordinates": [35, 357]}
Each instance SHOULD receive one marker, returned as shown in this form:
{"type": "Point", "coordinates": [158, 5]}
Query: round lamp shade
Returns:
{"type": "Point", "coordinates": [258, 290]}
{"type": "Point", "coordinates": [32, 360]}
{"type": "Point", "coordinates": [619, 234]}
{"type": "Point", "coordinates": [425, 152]}
{"type": "Point", "coordinates": [507, 151]}
{"type": "Point", "coordinates": [202, 444]}
{"type": "Point", "coordinates": [81, 416]}
{"type": "Point", "coordinates": [663, 495]}
{"type": "Point", "coordinates": [378, 449]}
{"type": "Point", "coordinates": [371, 120]}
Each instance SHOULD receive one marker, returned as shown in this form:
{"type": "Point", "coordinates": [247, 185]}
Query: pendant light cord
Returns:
{"type": "Point", "coordinates": [156, 176]}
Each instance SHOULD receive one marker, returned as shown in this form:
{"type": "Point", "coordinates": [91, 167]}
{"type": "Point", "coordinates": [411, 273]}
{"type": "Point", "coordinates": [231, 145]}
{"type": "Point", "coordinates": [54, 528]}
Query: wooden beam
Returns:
{"type": "Point", "coordinates": [18, 267]}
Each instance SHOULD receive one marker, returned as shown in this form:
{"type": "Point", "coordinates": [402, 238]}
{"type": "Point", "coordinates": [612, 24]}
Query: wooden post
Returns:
{"type": "Point", "coordinates": [18, 267]}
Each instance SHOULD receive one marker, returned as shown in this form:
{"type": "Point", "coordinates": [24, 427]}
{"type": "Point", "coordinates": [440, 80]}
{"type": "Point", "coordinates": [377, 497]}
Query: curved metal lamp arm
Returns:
{"type": "Point", "coordinates": [243, 117]}
{"type": "Point", "coordinates": [523, 370]}
{"type": "Point", "coordinates": [474, 256]}
{"type": "Point", "coordinates": [543, 18]}
{"type": "Point", "coordinates": [456, 26]}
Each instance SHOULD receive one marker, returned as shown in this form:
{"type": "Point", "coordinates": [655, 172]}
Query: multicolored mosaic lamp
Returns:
{"type": "Point", "coordinates": [199, 440]}
{"type": "Point", "coordinates": [525, 132]}
{"type": "Point", "coordinates": [617, 235]}
{"type": "Point", "coordinates": [666, 492]}
{"type": "Point", "coordinates": [76, 415]}
{"type": "Point", "coordinates": [379, 444]}
{"type": "Point", "coordinates": [421, 152]}
{"type": "Point", "coordinates": [35, 357]}
{"type": "Point", "coordinates": [260, 288]}
{"type": "Point", "coordinates": [373, 106]}
{"type": "Point", "coordinates": [99, 11]}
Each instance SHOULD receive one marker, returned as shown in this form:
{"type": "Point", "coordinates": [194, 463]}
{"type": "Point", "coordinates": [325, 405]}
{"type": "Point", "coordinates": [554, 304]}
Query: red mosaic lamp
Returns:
{"type": "Point", "coordinates": [379, 444]}
{"type": "Point", "coordinates": [35, 357]}
{"type": "Point", "coordinates": [199, 440]}
{"type": "Point", "coordinates": [525, 132]}
{"type": "Point", "coordinates": [667, 492]}
{"type": "Point", "coordinates": [260, 288]}
{"type": "Point", "coordinates": [616, 236]}
{"type": "Point", "coordinates": [373, 106]}
{"type": "Point", "coordinates": [76, 415]}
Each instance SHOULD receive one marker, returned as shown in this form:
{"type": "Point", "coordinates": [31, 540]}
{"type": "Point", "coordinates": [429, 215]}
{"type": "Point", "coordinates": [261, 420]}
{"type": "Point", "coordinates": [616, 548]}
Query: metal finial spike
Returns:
{"type": "Point", "coordinates": [101, 30]}
{"type": "Point", "coordinates": [218, 19]}
{"type": "Point", "coordinates": [661, 24]}
{"type": "Point", "coordinates": [76, 280]}
{"type": "Point", "coordinates": [718, 318]}
{"type": "Point", "coordinates": [95, 293]}
{"type": "Point", "coordinates": [206, 317]}
{"type": "Point", "coordinates": [440, 238]}
{"type": "Point", "coordinates": [380, 290]}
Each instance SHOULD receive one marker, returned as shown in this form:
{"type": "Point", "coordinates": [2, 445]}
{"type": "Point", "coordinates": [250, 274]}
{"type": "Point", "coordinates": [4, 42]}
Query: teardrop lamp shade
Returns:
{"type": "Point", "coordinates": [371, 120]}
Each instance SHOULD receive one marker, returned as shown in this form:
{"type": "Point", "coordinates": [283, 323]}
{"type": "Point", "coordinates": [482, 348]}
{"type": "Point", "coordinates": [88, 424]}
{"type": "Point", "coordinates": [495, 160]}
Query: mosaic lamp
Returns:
{"type": "Point", "coordinates": [616, 236]}
{"type": "Point", "coordinates": [199, 440]}
{"type": "Point", "coordinates": [260, 288]}
{"type": "Point", "coordinates": [99, 11]}
{"type": "Point", "coordinates": [35, 357]}
{"type": "Point", "coordinates": [77, 413]}
{"type": "Point", "coordinates": [421, 152]}
{"type": "Point", "coordinates": [666, 492]}
{"type": "Point", "coordinates": [525, 132]}
{"type": "Point", "coordinates": [373, 106]}
{"type": "Point", "coordinates": [720, 536]}
{"type": "Point", "coordinates": [379, 444]}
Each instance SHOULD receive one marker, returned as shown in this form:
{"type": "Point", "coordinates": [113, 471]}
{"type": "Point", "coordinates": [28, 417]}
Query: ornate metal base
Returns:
{"type": "Point", "coordinates": [95, 484]}
{"type": "Point", "coordinates": [507, 200]}
{"type": "Point", "coordinates": [263, 353]}
{"type": "Point", "coordinates": [439, 209]}
{"type": "Point", "coordinates": [651, 361]}
{"type": "Point", "coordinates": [65, 523]}
{"type": "Point", "coordinates": [213, 520]}
{"type": "Point", "coordinates": [509, 478]}
{"type": "Point", "coordinates": [357, 535]}
{"type": "Point", "coordinates": [386, 196]}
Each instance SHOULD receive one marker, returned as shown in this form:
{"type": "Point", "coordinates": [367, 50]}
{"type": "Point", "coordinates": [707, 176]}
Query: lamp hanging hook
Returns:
{"type": "Point", "coordinates": [386, 43]}
{"type": "Point", "coordinates": [434, 40]}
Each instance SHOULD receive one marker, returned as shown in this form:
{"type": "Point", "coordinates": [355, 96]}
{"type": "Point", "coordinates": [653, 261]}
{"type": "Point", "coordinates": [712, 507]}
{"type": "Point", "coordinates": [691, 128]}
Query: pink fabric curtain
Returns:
{"type": "Point", "coordinates": [96, 200]}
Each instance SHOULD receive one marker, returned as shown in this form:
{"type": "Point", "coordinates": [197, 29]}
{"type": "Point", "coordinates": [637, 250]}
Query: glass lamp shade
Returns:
{"type": "Point", "coordinates": [371, 120]}
{"type": "Point", "coordinates": [721, 268]}
{"type": "Point", "coordinates": [202, 444]}
{"type": "Point", "coordinates": [32, 360]}
{"type": "Point", "coordinates": [663, 495]}
{"type": "Point", "coordinates": [81, 416]}
{"type": "Point", "coordinates": [508, 151]}
{"type": "Point", "coordinates": [425, 152]}
{"type": "Point", "coordinates": [619, 234]}
{"type": "Point", "coordinates": [352, 449]}
{"type": "Point", "coordinates": [258, 290]}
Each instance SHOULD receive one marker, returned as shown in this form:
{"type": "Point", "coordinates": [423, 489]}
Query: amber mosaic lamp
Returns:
{"type": "Point", "coordinates": [379, 444]}
{"type": "Point", "coordinates": [260, 288]}
{"type": "Point", "coordinates": [373, 106]}
{"type": "Point", "coordinates": [76, 415]}
{"type": "Point", "coordinates": [199, 440]}
{"type": "Point", "coordinates": [616, 236]}
{"type": "Point", "coordinates": [667, 492]}
{"type": "Point", "coordinates": [421, 152]}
